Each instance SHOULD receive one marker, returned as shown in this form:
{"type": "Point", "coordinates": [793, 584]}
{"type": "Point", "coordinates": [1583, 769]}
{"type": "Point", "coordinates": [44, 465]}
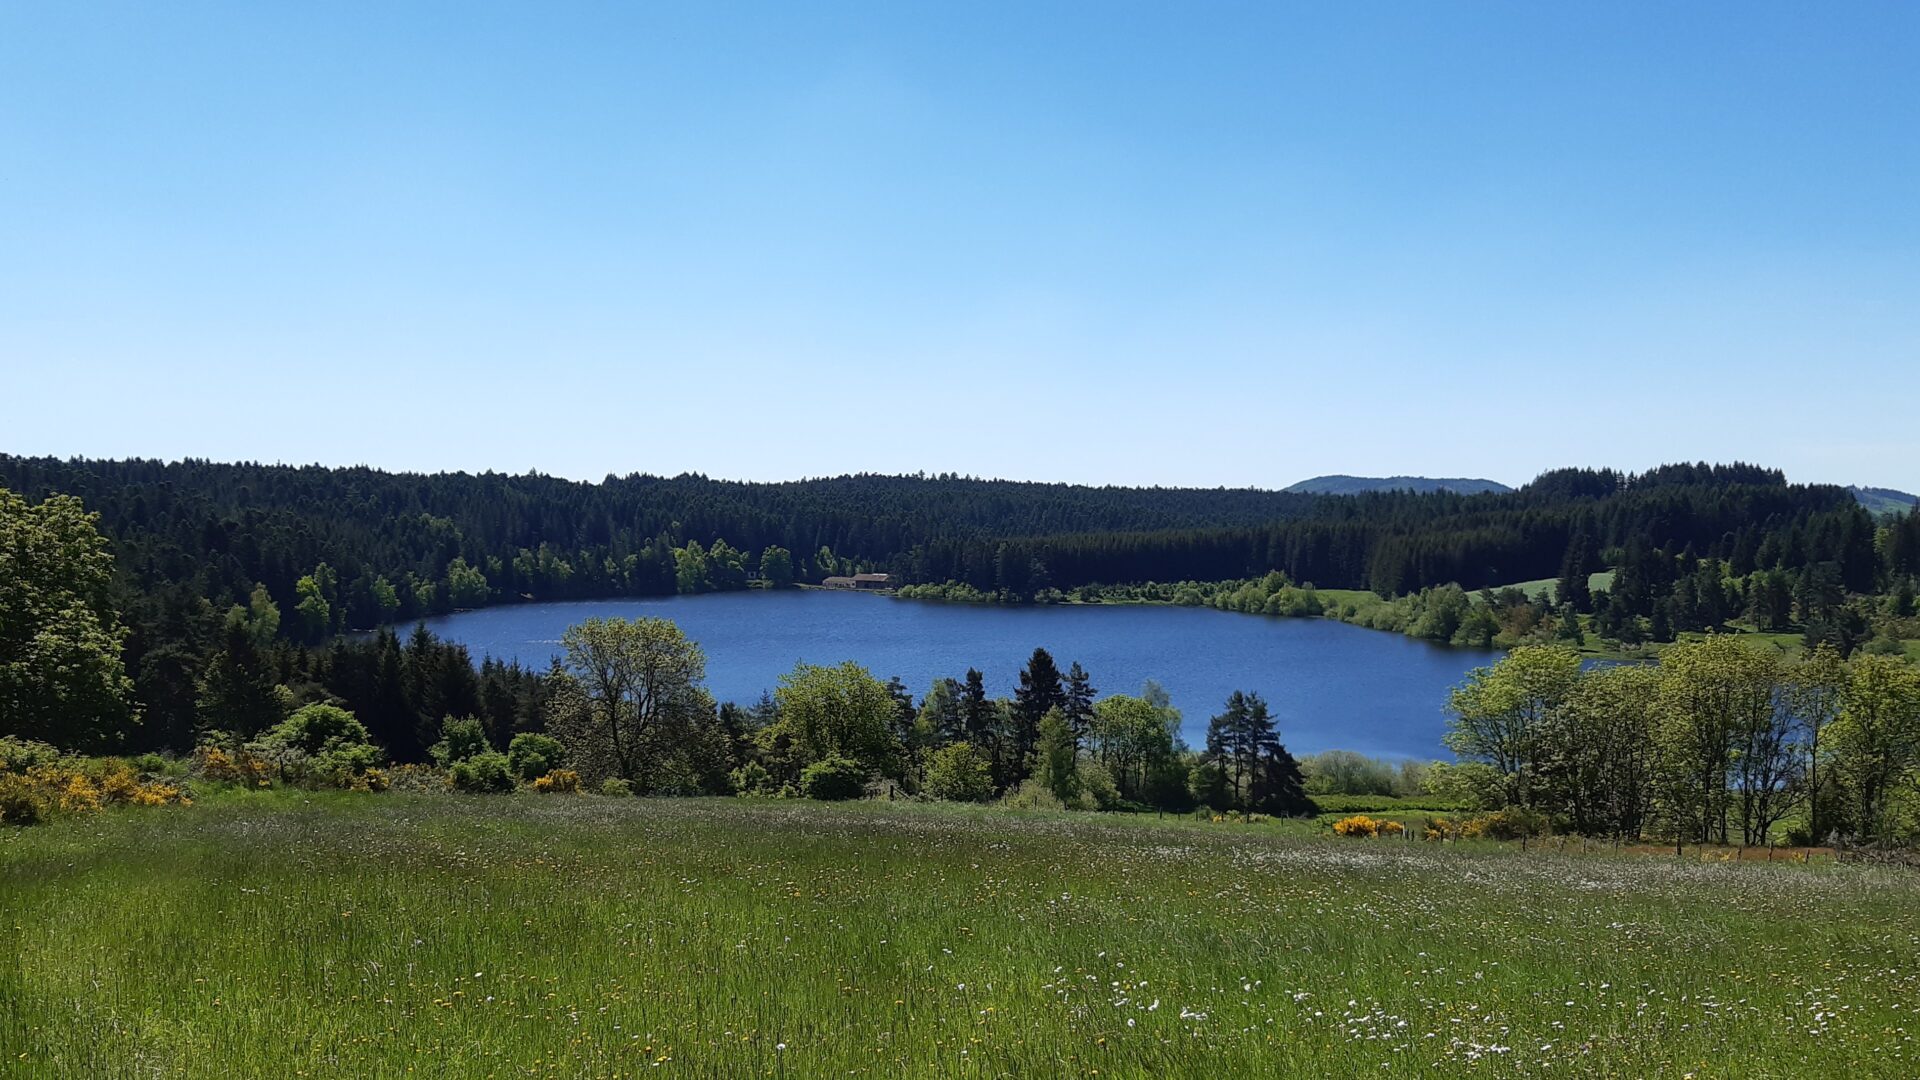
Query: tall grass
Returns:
{"type": "Point", "coordinates": [295, 934]}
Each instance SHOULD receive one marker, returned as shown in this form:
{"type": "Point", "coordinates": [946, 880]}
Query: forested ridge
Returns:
{"type": "Point", "coordinates": [226, 575]}
{"type": "Point", "coordinates": [219, 529]}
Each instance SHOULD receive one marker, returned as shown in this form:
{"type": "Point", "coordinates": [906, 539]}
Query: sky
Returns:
{"type": "Point", "coordinates": [1186, 244]}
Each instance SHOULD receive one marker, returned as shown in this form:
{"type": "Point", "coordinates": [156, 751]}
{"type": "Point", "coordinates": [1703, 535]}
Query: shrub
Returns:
{"type": "Point", "coordinates": [958, 773]}
{"type": "Point", "coordinates": [531, 755]}
{"type": "Point", "coordinates": [617, 788]}
{"type": "Point", "coordinates": [833, 778]}
{"type": "Point", "coordinates": [1096, 784]}
{"type": "Point", "coordinates": [558, 782]}
{"type": "Point", "coordinates": [17, 755]}
{"type": "Point", "coordinates": [461, 737]}
{"type": "Point", "coordinates": [369, 780]}
{"type": "Point", "coordinates": [1032, 795]}
{"type": "Point", "coordinates": [22, 802]}
{"type": "Point", "coordinates": [322, 743]}
{"type": "Point", "coordinates": [315, 729]}
{"type": "Point", "coordinates": [1359, 827]}
{"type": "Point", "coordinates": [1512, 823]}
{"type": "Point", "coordinates": [237, 767]}
{"type": "Point", "coordinates": [752, 779]}
{"type": "Point", "coordinates": [483, 773]}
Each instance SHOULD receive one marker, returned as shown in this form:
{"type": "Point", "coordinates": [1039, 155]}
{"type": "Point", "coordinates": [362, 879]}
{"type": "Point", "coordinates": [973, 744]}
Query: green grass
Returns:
{"type": "Point", "coordinates": [1598, 582]}
{"type": "Point", "coordinates": [336, 935]}
{"type": "Point", "coordinates": [1396, 804]}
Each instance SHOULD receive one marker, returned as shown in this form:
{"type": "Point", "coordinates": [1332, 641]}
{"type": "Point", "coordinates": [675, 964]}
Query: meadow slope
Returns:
{"type": "Point", "coordinates": [299, 934]}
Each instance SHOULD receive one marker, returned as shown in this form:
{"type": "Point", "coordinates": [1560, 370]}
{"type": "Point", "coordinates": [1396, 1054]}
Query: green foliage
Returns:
{"type": "Point", "coordinates": [840, 711]}
{"type": "Point", "coordinates": [639, 692]}
{"type": "Point", "coordinates": [531, 754]}
{"type": "Point", "coordinates": [532, 896]}
{"type": "Point", "coordinates": [752, 778]}
{"type": "Point", "coordinates": [776, 567]}
{"type": "Point", "coordinates": [484, 773]}
{"type": "Point", "coordinates": [1032, 794]}
{"type": "Point", "coordinates": [615, 788]}
{"type": "Point", "coordinates": [466, 585]}
{"type": "Point", "coordinates": [461, 737]}
{"type": "Point", "coordinates": [17, 755]}
{"type": "Point", "coordinates": [62, 678]}
{"type": "Point", "coordinates": [959, 773]}
{"type": "Point", "coordinates": [1503, 715]}
{"type": "Point", "coordinates": [322, 743]}
{"type": "Point", "coordinates": [833, 778]}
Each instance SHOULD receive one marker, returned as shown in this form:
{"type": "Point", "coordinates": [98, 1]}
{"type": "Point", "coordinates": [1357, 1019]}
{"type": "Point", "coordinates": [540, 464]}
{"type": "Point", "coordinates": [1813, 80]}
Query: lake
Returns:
{"type": "Point", "coordinates": [1331, 685]}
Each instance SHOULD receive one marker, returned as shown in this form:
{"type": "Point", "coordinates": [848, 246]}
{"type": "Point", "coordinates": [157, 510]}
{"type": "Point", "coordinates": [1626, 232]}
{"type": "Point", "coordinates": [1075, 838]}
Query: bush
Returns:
{"type": "Point", "coordinates": [482, 774]}
{"type": "Point", "coordinates": [752, 779]}
{"type": "Point", "coordinates": [236, 767]}
{"type": "Point", "coordinates": [461, 737]}
{"type": "Point", "coordinates": [833, 778]}
{"type": "Point", "coordinates": [558, 782]}
{"type": "Point", "coordinates": [22, 802]}
{"type": "Point", "coordinates": [17, 755]}
{"type": "Point", "coordinates": [1096, 784]}
{"type": "Point", "coordinates": [617, 788]}
{"type": "Point", "coordinates": [958, 773]}
{"type": "Point", "coordinates": [1032, 795]}
{"type": "Point", "coordinates": [1512, 823]}
{"type": "Point", "coordinates": [531, 755]}
{"type": "Point", "coordinates": [1362, 827]}
{"type": "Point", "coordinates": [316, 729]}
{"type": "Point", "coordinates": [319, 743]}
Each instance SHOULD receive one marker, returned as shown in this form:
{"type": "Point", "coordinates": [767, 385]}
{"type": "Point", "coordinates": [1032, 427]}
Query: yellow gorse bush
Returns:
{"type": "Point", "coordinates": [239, 767]}
{"type": "Point", "coordinates": [1359, 826]}
{"type": "Point", "coordinates": [79, 786]}
{"type": "Point", "coordinates": [559, 781]}
{"type": "Point", "coordinates": [1362, 827]}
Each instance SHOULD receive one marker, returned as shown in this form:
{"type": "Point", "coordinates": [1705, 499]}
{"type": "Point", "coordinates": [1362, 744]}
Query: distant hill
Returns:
{"type": "Point", "coordinates": [1878, 500]}
{"type": "Point", "coordinates": [1355, 485]}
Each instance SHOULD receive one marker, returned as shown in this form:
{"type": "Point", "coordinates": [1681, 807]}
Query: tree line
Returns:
{"type": "Point", "coordinates": [1718, 743]}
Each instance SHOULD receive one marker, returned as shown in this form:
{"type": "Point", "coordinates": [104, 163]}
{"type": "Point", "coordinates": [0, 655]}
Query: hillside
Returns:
{"type": "Point", "coordinates": [572, 935]}
{"type": "Point", "coordinates": [1884, 500]}
{"type": "Point", "coordinates": [1357, 485]}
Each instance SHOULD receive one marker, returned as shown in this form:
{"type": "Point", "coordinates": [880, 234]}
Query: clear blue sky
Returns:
{"type": "Point", "coordinates": [1182, 244]}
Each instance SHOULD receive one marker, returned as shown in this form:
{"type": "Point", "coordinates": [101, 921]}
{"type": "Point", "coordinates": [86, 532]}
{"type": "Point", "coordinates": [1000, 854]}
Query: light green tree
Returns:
{"type": "Point", "coordinates": [690, 568]}
{"type": "Point", "coordinates": [959, 773]}
{"type": "Point", "coordinates": [1713, 693]}
{"type": "Point", "coordinates": [1130, 736]}
{"type": "Point", "coordinates": [466, 585]}
{"type": "Point", "coordinates": [1876, 741]}
{"type": "Point", "coordinates": [841, 710]}
{"type": "Point", "coordinates": [314, 607]}
{"type": "Point", "coordinates": [1816, 688]}
{"type": "Point", "coordinates": [1504, 715]}
{"type": "Point", "coordinates": [638, 679]}
{"type": "Point", "coordinates": [776, 567]}
{"type": "Point", "coordinates": [61, 675]}
{"type": "Point", "coordinates": [259, 619]}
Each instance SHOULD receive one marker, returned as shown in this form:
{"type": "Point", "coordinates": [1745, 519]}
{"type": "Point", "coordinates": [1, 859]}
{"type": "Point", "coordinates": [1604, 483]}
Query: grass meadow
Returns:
{"type": "Point", "coordinates": [302, 934]}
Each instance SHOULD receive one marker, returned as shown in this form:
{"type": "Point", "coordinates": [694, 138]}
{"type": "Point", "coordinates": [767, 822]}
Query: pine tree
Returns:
{"type": "Point", "coordinates": [1039, 692]}
{"type": "Point", "coordinates": [1078, 705]}
{"type": "Point", "coordinates": [1573, 587]}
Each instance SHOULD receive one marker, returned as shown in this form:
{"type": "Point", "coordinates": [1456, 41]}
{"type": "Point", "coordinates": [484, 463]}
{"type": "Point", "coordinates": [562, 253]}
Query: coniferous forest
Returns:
{"type": "Point", "coordinates": [244, 577]}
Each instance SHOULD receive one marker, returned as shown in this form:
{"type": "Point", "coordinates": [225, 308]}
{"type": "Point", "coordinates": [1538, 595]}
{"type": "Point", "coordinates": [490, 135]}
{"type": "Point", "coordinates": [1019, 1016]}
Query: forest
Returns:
{"type": "Point", "coordinates": [205, 579]}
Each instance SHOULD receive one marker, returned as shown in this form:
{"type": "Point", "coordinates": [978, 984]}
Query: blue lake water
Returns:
{"type": "Point", "coordinates": [1332, 686]}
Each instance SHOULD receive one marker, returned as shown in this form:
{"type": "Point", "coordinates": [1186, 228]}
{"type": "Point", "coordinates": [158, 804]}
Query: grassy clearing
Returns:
{"type": "Point", "coordinates": [290, 934]}
{"type": "Point", "coordinates": [1599, 581]}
